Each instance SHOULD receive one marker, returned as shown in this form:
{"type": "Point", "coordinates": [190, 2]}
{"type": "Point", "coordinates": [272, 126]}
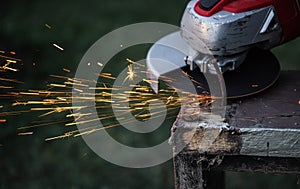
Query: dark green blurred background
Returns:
{"type": "Point", "coordinates": [29, 161]}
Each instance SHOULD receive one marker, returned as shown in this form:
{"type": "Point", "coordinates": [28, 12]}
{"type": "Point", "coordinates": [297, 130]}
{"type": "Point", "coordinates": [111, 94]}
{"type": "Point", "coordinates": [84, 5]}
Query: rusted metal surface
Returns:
{"type": "Point", "coordinates": [277, 107]}
{"type": "Point", "coordinates": [260, 134]}
{"type": "Point", "coordinates": [265, 125]}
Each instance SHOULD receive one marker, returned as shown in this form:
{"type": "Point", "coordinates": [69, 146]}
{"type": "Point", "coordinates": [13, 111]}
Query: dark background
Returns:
{"type": "Point", "coordinates": [29, 161]}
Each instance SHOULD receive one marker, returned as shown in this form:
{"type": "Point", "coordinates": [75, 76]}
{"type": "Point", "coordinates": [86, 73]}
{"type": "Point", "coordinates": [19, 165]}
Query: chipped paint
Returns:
{"type": "Point", "coordinates": [270, 142]}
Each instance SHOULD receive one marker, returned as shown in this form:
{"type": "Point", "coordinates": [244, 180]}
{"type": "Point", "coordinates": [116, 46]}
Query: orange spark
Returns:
{"type": "Point", "coordinates": [10, 80]}
{"type": "Point", "coordinates": [2, 120]}
{"type": "Point", "coordinates": [107, 75]}
{"type": "Point", "coordinates": [43, 124]}
{"type": "Point", "coordinates": [48, 26]}
{"type": "Point", "coordinates": [10, 58]}
{"type": "Point", "coordinates": [133, 62]}
{"type": "Point", "coordinates": [60, 137]}
{"type": "Point", "coordinates": [6, 87]}
{"type": "Point", "coordinates": [66, 70]}
{"type": "Point", "coordinates": [131, 74]}
{"type": "Point", "coordinates": [25, 134]}
{"type": "Point", "coordinates": [57, 85]}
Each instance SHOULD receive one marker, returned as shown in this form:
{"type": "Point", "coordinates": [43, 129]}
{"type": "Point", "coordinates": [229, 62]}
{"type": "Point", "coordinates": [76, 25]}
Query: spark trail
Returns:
{"type": "Point", "coordinates": [58, 100]}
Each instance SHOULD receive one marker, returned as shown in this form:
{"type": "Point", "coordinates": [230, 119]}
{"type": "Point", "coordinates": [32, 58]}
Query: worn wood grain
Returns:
{"type": "Point", "coordinates": [239, 163]}
{"type": "Point", "coordinates": [189, 173]}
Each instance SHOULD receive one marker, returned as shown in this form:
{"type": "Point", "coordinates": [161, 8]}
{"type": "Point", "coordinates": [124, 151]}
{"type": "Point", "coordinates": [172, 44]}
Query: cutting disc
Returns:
{"type": "Point", "coordinates": [259, 71]}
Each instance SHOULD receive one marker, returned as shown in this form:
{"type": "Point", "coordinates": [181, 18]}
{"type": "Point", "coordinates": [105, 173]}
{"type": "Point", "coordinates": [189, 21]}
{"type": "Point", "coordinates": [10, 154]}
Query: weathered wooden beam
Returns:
{"type": "Point", "coordinates": [258, 164]}
{"type": "Point", "coordinates": [211, 163]}
{"type": "Point", "coordinates": [190, 174]}
{"type": "Point", "coordinates": [265, 142]}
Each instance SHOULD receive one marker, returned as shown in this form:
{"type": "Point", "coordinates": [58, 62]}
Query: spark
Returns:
{"type": "Point", "coordinates": [78, 90]}
{"type": "Point", "coordinates": [75, 84]}
{"type": "Point", "coordinates": [57, 109]}
{"type": "Point", "coordinates": [25, 134]}
{"type": "Point", "coordinates": [133, 62]}
{"type": "Point", "coordinates": [58, 47]}
{"type": "Point", "coordinates": [78, 115]}
{"type": "Point", "coordinates": [6, 87]}
{"type": "Point", "coordinates": [59, 137]}
{"type": "Point", "coordinates": [10, 58]}
{"type": "Point", "coordinates": [94, 130]}
{"type": "Point", "coordinates": [107, 75]}
{"type": "Point", "coordinates": [103, 88]}
{"type": "Point", "coordinates": [150, 81]}
{"type": "Point", "coordinates": [62, 99]}
{"type": "Point", "coordinates": [43, 124]}
{"type": "Point", "coordinates": [9, 68]}
{"type": "Point", "coordinates": [131, 74]}
{"type": "Point", "coordinates": [48, 26]}
{"type": "Point", "coordinates": [29, 93]}
{"type": "Point", "coordinates": [8, 63]}
{"type": "Point", "coordinates": [11, 80]}
{"type": "Point", "coordinates": [66, 70]}
{"type": "Point", "coordinates": [57, 85]}
{"type": "Point", "coordinates": [3, 120]}
{"type": "Point", "coordinates": [88, 121]}
{"type": "Point", "coordinates": [169, 99]}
